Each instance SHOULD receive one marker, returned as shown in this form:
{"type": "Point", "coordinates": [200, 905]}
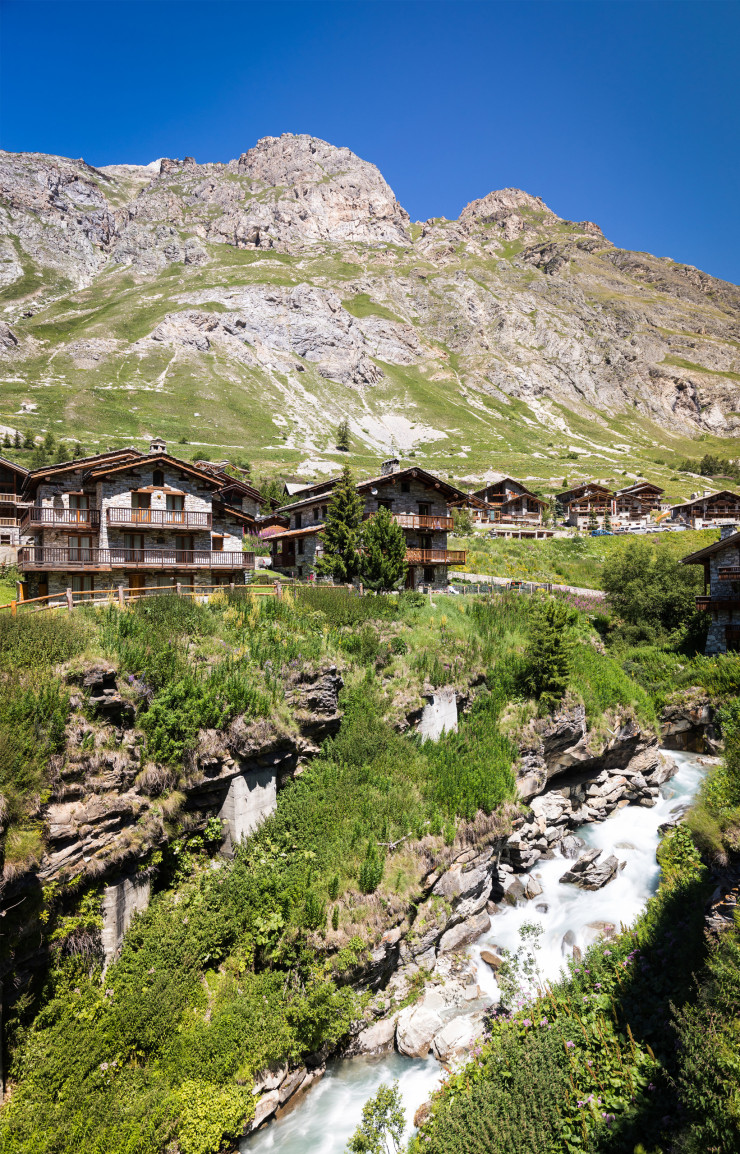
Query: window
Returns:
{"type": "Point", "coordinates": [428, 575]}
{"type": "Point", "coordinates": [300, 547]}
{"type": "Point", "coordinates": [5, 539]}
{"type": "Point", "coordinates": [175, 503]}
{"type": "Point", "coordinates": [405, 487]}
{"type": "Point", "coordinates": [298, 521]}
{"type": "Point", "coordinates": [82, 582]}
{"type": "Point", "coordinates": [425, 509]}
{"type": "Point", "coordinates": [79, 501]}
{"type": "Point", "coordinates": [385, 503]}
{"type": "Point", "coordinates": [158, 478]}
{"type": "Point", "coordinates": [217, 544]}
{"type": "Point", "coordinates": [324, 511]}
{"type": "Point", "coordinates": [316, 513]}
{"type": "Point", "coordinates": [80, 549]}
{"type": "Point", "coordinates": [141, 506]}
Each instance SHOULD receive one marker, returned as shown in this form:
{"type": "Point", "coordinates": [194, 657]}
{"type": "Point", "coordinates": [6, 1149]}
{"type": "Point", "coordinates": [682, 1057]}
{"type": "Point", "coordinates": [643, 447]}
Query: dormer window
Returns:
{"type": "Point", "coordinates": [158, 478]}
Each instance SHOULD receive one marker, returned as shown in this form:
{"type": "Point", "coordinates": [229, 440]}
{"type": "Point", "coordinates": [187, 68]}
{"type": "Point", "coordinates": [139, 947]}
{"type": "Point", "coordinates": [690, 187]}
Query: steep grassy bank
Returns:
{"type": "Point", "coordinates": [235, 966]}
{"type": "Point", "coordinates": [567, 560]}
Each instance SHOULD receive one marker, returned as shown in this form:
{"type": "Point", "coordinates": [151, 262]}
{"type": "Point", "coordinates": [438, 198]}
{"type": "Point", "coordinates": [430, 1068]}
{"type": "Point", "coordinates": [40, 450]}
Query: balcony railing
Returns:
{"type": "Point", "coordinates": [442, 524]}
{"type": "Point", "coordinates": [46, 518]}
{"type": "Point", "coordinates": [729, 573]}
{"type": "Point", "coordinates": [8, 523]}
{"type": "Point", "coordinates": [162, 518]}
{"type": "Point", "coordinates": [12, 497]}
{"type": "Point", "coordinates": [48, 557]}
{"type": "Point", "coordinates": [714, 603]}
{"type": "Point", "coordinates": [435, 556]}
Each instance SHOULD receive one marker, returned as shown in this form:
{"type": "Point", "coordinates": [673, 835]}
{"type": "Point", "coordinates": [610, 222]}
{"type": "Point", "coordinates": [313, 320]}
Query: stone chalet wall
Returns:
{"type": "Point", "coordinates": [114, 492]}
{"type": "Point", "coordinates": [716, 640]}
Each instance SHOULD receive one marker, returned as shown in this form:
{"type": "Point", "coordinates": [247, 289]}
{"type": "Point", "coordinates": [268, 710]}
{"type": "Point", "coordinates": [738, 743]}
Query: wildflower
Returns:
{"type": "Point", "coordinates": [606, 953]}
{"type": "Point", "coordinates": [544, 1022]}
{"type": "Point", "coordinates": [651, 1086]}
{"type": "Point", "coordinates": [527, 1022]}
{"type": "Point", "coordinates": [597, 986]}
{"type": "Point", "coordinates": [570, 1045]}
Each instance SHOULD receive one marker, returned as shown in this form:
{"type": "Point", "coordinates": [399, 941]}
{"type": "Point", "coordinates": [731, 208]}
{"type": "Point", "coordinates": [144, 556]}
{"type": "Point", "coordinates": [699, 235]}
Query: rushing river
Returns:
{"type": "Point", "coordinates": [324, 1119]}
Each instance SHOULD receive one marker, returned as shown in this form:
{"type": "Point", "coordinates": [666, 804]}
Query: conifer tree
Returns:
{"type": "Point", "coordinates": [343, 442]}
{"type": "Point", "coordinates": [17, 442]}
{"type": "Point", "coordinates": [549, 654]}
{"type": "Point", "coordinates": [383, 564]}
{"type": "Point", "coordinates": [342, 531]}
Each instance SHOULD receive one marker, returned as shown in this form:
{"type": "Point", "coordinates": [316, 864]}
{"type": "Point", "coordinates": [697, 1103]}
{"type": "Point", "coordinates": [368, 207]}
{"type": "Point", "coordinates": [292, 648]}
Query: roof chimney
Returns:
{"type": "Point", "coordinates": [157, 445]}
{"type": "Point", "coordinates": [392, 465]}
{"type": "Point", "coordinates": [726, 531]}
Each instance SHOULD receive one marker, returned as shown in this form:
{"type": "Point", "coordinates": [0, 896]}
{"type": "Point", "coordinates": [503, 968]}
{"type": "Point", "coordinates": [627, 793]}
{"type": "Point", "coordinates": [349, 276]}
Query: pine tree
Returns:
{"type": "Point", "coordinates": [592, 522]}
{"type": "Point", "coordinates": [549, 654]}
{"type": "Point", "coordinates": [607, 520]}
{"type": "Point", "coordinates": [383, 563]}
{"type": "Point", "coordinates": [62, 452]}
{"type": "Point", "coordinates": [343, 442]}
{"type": "Point", "coordinates": [17, 442]}
{"type": "Point", "coordinates": [49, 442]}
{"type": "Point", "coordinates": [28, 441]}
{"type": "Point", "coordinates": [342, 531]}
{"type": "Point", "coordinates": [7, 443]}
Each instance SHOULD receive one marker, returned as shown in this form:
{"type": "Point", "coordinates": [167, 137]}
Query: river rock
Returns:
{"type": "Point", "coordinates": [415, 1030]}
{"type": "Point", "coordinates": [491, 959]}
{"type": "Point", "coordinates": [465, 933]}
{"type": "Point", "coordinates": [589, 875]}
{"type": "Point", "coordinates": [533, 888]}
{"type": "Point", "coordinates": [457, 1037]}
{"type": "Point", "coordinates": [377, 1038]}
{"type": "Point", "coordinates": [270, 1078]}
{"type": "Point", "coordinates": [571, 846]}
{"type": "Point", "coordinates": [515, 893]}
{"type": "Point", "coordinates": [265, 1108]}
{"type": "Point", "coordinates": [292, 1083]}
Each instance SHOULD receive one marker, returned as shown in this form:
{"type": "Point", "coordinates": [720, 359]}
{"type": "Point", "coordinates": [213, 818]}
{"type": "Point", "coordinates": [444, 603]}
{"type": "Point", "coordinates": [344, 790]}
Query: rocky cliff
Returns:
{"type": "Point", "coordinates": [256, 303]}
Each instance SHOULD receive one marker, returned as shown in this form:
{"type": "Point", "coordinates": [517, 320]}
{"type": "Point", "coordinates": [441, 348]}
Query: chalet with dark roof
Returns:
{"type": "Point", "coordinates": [12, 480]}
{"type": "Point", "coordinates": [707, 509]}
{"type": "Point", "coordinates": [140, 520]}
{"type": "Point", "coordinates": [418, 502]}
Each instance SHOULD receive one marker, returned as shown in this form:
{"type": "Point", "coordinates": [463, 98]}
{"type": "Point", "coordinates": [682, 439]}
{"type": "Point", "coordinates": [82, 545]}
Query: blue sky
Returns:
{"type": "Point", "coordinates": [623, 113]}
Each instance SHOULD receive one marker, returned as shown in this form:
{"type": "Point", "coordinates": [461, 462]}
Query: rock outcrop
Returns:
{"type": "Point", "coordinates": [299, 249]}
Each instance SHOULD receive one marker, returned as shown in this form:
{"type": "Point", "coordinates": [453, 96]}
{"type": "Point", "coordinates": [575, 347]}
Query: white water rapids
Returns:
{"type": "Point", "coordinates": [324, 1119]}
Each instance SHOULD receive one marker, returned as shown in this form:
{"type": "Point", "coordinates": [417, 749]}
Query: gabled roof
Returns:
{"type": "Point", "coordinates": [710, 497]}
{"type": "Point", "coordinates": [582, 490]}
{"type": "Point", "coordinates": [85, 464]}
{"type": "Point", "coordinates": [245, 518]}
{"type": "Point", "coordinates": [638, 487]}
{"type": "Point", "coordinates": [21, 470]}
{"type": "Point", "coordinates": [701, 554]}
{"type": "Point", "coordinates": [518, 496]}
{"type": "Point", "coordinates": [156, 460]}
{"type": "Point", "coordinates": [289, 534]}
{"type": "Point", "coordinates": [243, 488]}
{"type": "Point", "coordinates": [415, 472]}
{"type": "Point", "coordinates": [500, 481]}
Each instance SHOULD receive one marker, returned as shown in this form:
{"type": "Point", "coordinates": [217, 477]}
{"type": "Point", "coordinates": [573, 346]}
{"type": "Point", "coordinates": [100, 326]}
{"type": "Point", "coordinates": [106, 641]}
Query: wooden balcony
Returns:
{"type": "Point", "coordinates": [712, 604]}
{"type": "Point", "coordinates": [50, 558]}
{"type": "Point", "coordinates": [42, 517]}
{"type": "Point", "coordinates": [160, 518]}
{"type": "Point", "coordinates": [8, 522]}
{"type": "Point", "coordinates": [11, 497]}
{"type": "Point", "coordinates": [435, 556]}
{"type": "Point", "coordinates": [729, 573]}
{"type": "Point", "coordinates": [420, 521]}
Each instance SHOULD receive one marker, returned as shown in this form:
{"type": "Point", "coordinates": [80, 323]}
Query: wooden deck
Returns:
{"type": "Point", "coordinates": [46, 558]}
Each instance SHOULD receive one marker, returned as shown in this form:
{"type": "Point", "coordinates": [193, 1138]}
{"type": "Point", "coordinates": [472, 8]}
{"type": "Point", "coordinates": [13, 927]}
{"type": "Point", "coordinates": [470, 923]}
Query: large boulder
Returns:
{"type": "Point", "coordinates": [417, 1026]}
{"type": "Point", "coordinates": [378, 1038]}
{"type": "Point", "coordinates": [457, 1037]}
{"type": "Point", "coordinates": [464, 933]}
{"type": "Point", "coordinates": [589, 874]}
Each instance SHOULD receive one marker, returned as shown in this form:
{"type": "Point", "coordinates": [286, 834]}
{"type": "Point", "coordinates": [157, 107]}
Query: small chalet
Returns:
{"type": "Point", "coordinates": [585, 504]}
{"type": "Point", "coordinates": [638, 504]}
{"type": "Point", "coordinates": [12, 480]}
{"type": "Point", "coordinates": [510, 502]}
{"type": "Point", "coordinates": [709, 508]}
{"type": "Point", "coordinates": [721, 562]}
{"type": "Point", "coordinates": [418, 502]}
{"type": "Point", "coordinates": [136, 519]}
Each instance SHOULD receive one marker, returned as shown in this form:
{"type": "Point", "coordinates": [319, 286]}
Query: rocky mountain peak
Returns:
{"type": "Point", "coordinates": [504, 201]}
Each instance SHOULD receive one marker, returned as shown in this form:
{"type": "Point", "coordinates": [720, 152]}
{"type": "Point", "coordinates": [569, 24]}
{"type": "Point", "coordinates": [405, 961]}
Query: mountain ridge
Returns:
{"type": "Point", "coordinates": [260, 301]}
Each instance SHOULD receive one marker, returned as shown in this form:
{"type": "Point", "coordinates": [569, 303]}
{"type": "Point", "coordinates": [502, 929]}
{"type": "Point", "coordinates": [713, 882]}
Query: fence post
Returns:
{"type": "Point", "coordinates": [362, 589]}
{"type": "Point", "coordinates": [178, 587]}
{"type": "Point", "coordinates": [13, 608]}
{"type": "Point", "coordinates": [121, 597]}
{"type": "Point", "coordinates": [19, 590]}
{"type": "Point", "coordinates": [70, 601]}
{"type": "Point", "coordinates": [231, 586]}
{"type": "Point", "coordinates": [278, 589]}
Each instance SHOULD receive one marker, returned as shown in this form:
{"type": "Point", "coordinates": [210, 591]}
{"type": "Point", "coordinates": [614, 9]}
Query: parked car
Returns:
{"type": "Point", "coordinates": [601, 533]}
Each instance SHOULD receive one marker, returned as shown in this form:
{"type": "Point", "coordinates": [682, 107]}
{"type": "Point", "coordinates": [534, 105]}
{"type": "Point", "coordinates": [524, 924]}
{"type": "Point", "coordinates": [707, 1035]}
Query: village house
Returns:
{"type": "Point", "coordinates": [12, 480]}
{"type": "Point", "coordinates": [636, 505]}
{"type": "Point", "coordinates": [510, 503]}
{"type": "Point", "coordinates": [417, 501]}
{"type": "Point", "coordinates": [709, 508]}
{"type": "Point", "coordinates": [721, 598]}
{"type": "Point", "coordinates": [586, 504]}
{"type": "Point", "coordinates": [132, 519]}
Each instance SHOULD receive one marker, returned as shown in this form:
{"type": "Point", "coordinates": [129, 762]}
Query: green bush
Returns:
{"type": "Point", "coordinates": [371, 870]}
{"type": "Point", "coordinates": [40, 640]}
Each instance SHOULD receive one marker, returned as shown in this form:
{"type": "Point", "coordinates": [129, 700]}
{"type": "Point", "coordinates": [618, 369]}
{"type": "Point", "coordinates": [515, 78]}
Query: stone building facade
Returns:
{"type": "Point", "coordinates": [127, 518]}
{"type": "Point", "coordinates": [12, 480]}
{"type": "Point", "coordinates": [418, 502]}
{"type": "Point", "coordinates": [721, 598]}
{"type": "Point", "coordinates": [707, 509]}
{"type": "Point", "coordinates": [510, 502]}
{"type": "Point", "coordinates": [585, 504]}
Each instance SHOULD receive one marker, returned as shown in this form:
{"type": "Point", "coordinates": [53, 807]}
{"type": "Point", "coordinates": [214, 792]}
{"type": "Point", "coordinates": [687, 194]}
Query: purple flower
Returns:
{"type": "Point", "coordinates": [527, 1022]}
{"type": "Point", "coordinates": [651, 1086]}
{"type": "Point", "coordinates": [598, 986]}
{"type": "Point", "coordinates": [570, 1045]}
{"type": "Point", "coordinates": [543, 1022]}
